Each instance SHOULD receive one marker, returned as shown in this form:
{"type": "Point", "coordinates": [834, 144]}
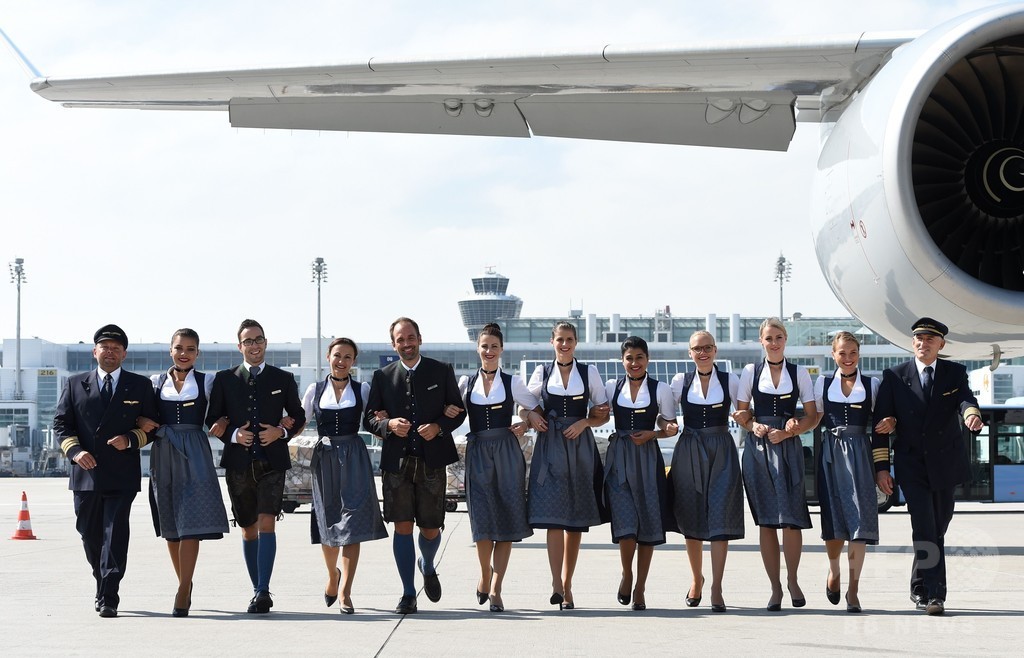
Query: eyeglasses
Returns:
{"type": "Point", "coordinates": [705, 349]}
{"type": "Point", "coordinates": [249, 342]}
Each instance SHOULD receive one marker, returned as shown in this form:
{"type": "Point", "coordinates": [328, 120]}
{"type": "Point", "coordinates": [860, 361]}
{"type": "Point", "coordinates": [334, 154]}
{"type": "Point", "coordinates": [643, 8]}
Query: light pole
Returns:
{"type": "Point", "coordinates": [319, 276]}
{"type": "Point", "coordinates": [17, 269]}
{"type": "Point", "coordinates": [783, 268]}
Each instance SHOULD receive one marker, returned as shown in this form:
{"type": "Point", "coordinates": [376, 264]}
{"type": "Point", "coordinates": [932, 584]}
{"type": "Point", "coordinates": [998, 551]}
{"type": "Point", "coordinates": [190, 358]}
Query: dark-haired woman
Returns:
{"type": "Point", "coordinates": [345, 509]}
{"type": "Point", "coordinates": [773, 457]}
{"type": "Point", "coordinates": [495, 467]}
{"type": "Point", "coordinates": [634, 474]}
{"type": "Point", "coordinates": [185, 493]}
{"type": "Point", "coordinates": [706, 480]}
{"type": "Point", "coordinates": [846, 473]}
{"type": "Point", "coordinates": [565, 473]}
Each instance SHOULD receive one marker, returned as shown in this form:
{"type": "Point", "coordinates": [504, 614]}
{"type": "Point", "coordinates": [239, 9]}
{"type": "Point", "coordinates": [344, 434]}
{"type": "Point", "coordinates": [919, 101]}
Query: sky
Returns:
{"type": "Point", "coordinates": [158, 220]}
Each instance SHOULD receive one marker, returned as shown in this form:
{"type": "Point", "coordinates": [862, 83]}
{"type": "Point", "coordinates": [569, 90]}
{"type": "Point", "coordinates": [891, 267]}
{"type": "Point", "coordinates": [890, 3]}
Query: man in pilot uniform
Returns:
{"type": "Point", "coordinates": [95, 423]}
{"type": "Point", "coordinates": [923, 401]}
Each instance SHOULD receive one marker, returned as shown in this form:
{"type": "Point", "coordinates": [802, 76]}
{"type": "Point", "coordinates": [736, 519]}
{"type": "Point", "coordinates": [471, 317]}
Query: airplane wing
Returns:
{"type": "Point", "coordinates": [738, 95]}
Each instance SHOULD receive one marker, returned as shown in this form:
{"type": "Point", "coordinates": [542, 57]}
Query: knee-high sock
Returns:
{"type": "Point", "coordinates": [428, 549]}
{"type": "Point", "coordinates": [249, 550]}
{"type": "Point", "coordinates": [405, 560]}
{"type": "Point", "coordinates": [265, 560]}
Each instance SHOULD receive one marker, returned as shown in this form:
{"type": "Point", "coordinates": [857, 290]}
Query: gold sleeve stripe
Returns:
{"type": "Point", "coordinates": [972, 411]}
{"type": "Point", "coordinates": [880, 454]}
{"type": "Point", "coordinates": [141, 436]}
{"type": "Point", "coordinates": [68, 444]}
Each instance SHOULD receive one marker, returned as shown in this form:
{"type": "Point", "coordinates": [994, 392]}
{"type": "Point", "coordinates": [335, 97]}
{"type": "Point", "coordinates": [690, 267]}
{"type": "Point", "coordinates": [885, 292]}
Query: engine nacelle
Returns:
{"type": "Point", "coordinates": [920, 189]}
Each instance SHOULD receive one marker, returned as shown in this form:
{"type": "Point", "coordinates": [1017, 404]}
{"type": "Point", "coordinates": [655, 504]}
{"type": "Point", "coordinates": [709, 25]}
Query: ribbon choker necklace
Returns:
{"type": "Point", "coordinates": [636, 379]}
{"type": "Point", "coordinates": [177, 369]}
{"type": "Point", "coordinates": [338, 379]}
{"type": "Point", "coordinates": [774, 363]}
{"type": "Point", "coordinates": [488, 372]}
{"type": "Point", "coordinates": [850, 376]}
{"type": "Point", "coordinates": [563, 365]}
{"type": "Point", "coordinates": [708, 373]}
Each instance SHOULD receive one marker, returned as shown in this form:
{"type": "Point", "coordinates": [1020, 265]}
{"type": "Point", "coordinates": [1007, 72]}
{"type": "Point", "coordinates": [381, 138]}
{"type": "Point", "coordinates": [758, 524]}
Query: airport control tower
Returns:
{"type": "Point", "coordinates": [490, 303]}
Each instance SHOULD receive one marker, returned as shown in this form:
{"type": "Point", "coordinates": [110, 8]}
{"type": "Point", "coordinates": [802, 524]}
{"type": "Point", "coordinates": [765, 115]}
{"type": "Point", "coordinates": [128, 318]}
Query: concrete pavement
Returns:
{"type": "Point", "coordinates": [46, 596]}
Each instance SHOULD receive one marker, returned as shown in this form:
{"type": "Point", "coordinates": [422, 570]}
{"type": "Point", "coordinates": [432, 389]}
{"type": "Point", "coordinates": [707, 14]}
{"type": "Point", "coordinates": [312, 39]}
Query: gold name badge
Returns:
{"type": "Point", "coordinates": [639, 411]}
{"type": "Point", "coordinates": [717, 406]}
{"type": "Point", "coordinates": [786, 397]}
{"type": "Point", "coordinates": [496, 406]}
{"type": "Point", "coordinates": [188, 404]}
{"type": "Point", "coordinates": [578, 397]}
{"type": "Point", "coordinates": [856, 406]}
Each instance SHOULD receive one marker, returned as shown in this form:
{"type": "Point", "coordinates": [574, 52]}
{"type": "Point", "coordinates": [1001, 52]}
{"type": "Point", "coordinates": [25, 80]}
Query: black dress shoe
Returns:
{"type": "Point", "coordinates": [798, 603]}
{"type": "Point", "coordinates": [108, 611]}
{"type": "Point", "coordinates": [329, 599]}
{"type": "Point", "coordinates": [833, 597]}
{"type": "Point", "coordinates": [556, 599]}
{"type": "Point", "coordinates": [406, 606]}
{"type": "Point", "coordinates": [96, 605]}
{"type": "Point", "coordinates": [260, 604]}
{"type": "Point", "coordinates": [718, 607]}
{"type": "Point", "coordinates": [850, 607]}
{"type": "Point", "coordinates": [431, 583]}
{"type": "Point", "coordinates": [347, 609]}
{"type": "Point", "coordinates": [934, 607]}
{"type": "Point", "coordinates": [481, 597]}
{"type": "Point", "coordinates": [920, 600]}
{"type": "Point", "coordinates": [179, 612]}
{"type": "Point", "coordinates": [694, 601]}
{"type": "Point", "coordinates": [623, 599]}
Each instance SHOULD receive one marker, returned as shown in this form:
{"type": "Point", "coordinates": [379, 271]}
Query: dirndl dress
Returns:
{"type": "Point", "coordinates": [184, 494]}
{"type": "Point", "coordinates": [345, 507]}
{"type": "Point", "coordinates": [846, 473]}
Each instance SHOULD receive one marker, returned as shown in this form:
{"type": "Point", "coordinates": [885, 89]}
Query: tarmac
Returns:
{"type": "Point", "coordinates": [46, 598]}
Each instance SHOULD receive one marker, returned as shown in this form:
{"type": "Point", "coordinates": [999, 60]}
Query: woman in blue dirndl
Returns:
{"type": "Point", "coordinates": [345, 509]}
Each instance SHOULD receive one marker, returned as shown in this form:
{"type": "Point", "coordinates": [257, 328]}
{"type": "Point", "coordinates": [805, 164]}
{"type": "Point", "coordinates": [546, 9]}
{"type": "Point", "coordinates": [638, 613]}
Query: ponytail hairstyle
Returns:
{"type": "Point", "coordinates": [635, 343]}
{"type": "Point", "coordinates": [564, 324]}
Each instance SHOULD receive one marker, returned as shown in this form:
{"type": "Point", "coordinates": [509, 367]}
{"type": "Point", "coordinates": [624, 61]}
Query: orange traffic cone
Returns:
{"type": "Point", "coordinates": [24, 530]}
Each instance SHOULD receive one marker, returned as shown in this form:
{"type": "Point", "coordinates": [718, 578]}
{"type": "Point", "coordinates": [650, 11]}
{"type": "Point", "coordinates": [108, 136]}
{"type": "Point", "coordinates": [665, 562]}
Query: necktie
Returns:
{"type": "Point", "coordinates": [928, 381]}
{"type": "Point", "coordinates": [107, 392]}
{"type": "Point", "coordinates": [255, 370]}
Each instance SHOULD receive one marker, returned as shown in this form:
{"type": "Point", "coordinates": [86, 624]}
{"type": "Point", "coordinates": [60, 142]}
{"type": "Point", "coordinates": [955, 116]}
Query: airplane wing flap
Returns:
{"type": "Point", "coordinates": [762, 122]}
{"type": "Point", "coordinates": [433, 115]}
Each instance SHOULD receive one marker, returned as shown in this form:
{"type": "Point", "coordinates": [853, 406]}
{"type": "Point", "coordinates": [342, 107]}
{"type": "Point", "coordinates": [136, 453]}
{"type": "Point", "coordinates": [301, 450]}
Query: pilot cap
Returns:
{"type": "Point", "coordinates": [929, 326]}
{"type": "Point", "coordinates": [111, 332]}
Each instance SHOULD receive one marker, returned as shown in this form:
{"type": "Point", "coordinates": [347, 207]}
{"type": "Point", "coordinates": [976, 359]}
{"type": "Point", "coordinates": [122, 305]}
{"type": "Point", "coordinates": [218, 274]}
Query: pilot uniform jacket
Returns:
{"type": "Point", "coordinates": [929, 447]}
{"type": "Point", "coordinates": [435, 387]}
{"type": "Point", "coordinates": [82, 423]}
{"type": "Point", "coordinates": [277, 396]}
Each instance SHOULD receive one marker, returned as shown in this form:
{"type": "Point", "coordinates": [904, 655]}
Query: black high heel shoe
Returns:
{"type": "Point", "coordinates": [850, 607]}
{"type": "Point", "coordinates": [182, 612]}
{"type": "Point", "coordinates": [798, 603]}
{"type": "Point", "coordinates": [833, 597]}
{"type": "Point", "coordinates": [329, 599]}
{"type": "Point", "coordinates": [623, 599]}
{"type": "Point", "coordinates": [694, 601]}
{"type": "Point", "coordinates": [347, 609]}
{"type": "Point", "coordinates": [556, 599]}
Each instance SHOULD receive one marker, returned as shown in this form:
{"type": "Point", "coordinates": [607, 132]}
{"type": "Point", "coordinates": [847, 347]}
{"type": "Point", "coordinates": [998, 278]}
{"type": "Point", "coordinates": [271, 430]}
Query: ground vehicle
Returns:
{"type": "Point", "coordinates": [996, 457]}
{"type": "Point", "coordinates": [298, 486]}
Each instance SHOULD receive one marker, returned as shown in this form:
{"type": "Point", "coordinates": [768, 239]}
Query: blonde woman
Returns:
{"type": "Point", "coordinates": [773, 458]}
{"type": "Point", "coordinates": [706, 481]}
